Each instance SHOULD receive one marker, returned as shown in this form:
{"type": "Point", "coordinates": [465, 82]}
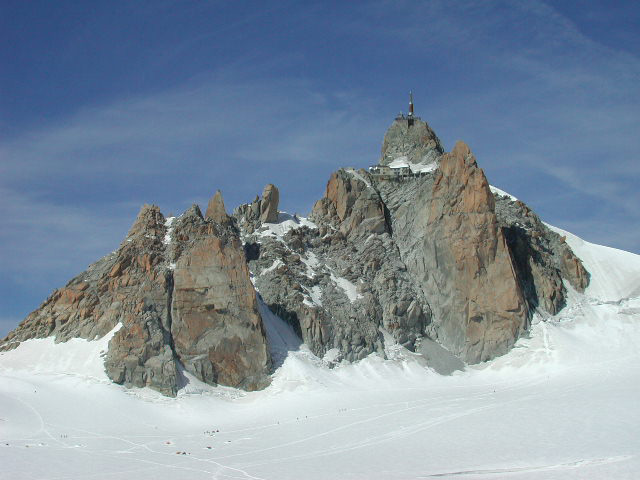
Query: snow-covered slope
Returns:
{"type": "Point", "coordinates": [614, 273]}
{"type": "Point", "coordinates": [562, 405]}
{"type": "Point", "coordinates": [77, 357]}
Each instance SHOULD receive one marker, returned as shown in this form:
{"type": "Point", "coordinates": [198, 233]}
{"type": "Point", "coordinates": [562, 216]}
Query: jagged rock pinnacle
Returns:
{"type": "Point", "coordinates": [216, 210]}
{"type": "Point", "coordinates": [269, 204]}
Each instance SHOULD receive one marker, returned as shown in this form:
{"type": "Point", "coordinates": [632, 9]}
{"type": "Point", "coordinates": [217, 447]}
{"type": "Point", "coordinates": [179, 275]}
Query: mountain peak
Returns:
{"type": "Point", "coordinates": [410, 137]}
{"type": "Point", "coordinates": [430, 255]}
{"type": "Point", "coordinates": [216, 210]}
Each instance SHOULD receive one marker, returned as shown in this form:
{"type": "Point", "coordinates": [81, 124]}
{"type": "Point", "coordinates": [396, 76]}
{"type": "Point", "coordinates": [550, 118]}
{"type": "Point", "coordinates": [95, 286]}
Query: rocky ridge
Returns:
{"type": "Point", "coordinates": [433, 256]}
{"type": "Point", "coordinates": [180, 290]}
{"type": "Point", "coordinates": [431, 259]}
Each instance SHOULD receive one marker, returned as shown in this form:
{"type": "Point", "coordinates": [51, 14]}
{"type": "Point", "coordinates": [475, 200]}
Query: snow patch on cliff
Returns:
{"type": "Point", "coordinates": [402, 162]}
{"type": "Point", "coordinates": [348, 287]}
{"type": "Point", "coordinates": [169, 224]}
{"type": "Point", "coordinates": [314, 297]}
{"type": "Point", "coordinates": [286, 222]}
{"type": "Point", "coordinates": [311, 262]}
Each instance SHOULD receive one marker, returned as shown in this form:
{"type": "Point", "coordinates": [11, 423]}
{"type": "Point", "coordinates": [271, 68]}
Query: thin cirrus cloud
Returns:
{"type": "Point", "coordinates": [233, 118]}
{"type": "Point", "coordinates": [553, 102]}
{"type": "Point", "coordinates": [70, 191]}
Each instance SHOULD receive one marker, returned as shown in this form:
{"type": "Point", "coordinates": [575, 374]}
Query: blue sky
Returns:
{"type": "Point", "coordinates": [105, 106]}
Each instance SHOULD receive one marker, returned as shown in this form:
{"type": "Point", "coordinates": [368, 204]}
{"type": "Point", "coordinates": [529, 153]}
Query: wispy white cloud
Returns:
{"type": "Point", "coordinates": [71, 190]}
{"type": "Point", "coordinates": [538, 95]}
{"type": "Point", "coordinates": [39, 237]}
{"type": "Point", "coordinates": [136, 133]}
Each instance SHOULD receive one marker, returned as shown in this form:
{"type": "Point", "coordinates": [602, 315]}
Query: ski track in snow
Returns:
{"type": "Point", "coordinates": [134, 445]}
{"type": "Point", "coordinates": [560, 466]}
{"type": "Point", "coordinates": [335, 446]}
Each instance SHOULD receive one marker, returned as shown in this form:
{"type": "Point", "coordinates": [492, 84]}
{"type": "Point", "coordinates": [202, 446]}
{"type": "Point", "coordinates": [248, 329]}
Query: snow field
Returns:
{"type": "Point", "coordinates": [561, 405]}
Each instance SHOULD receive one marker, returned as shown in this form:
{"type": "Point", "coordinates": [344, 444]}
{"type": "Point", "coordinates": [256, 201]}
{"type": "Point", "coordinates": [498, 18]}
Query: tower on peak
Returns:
{"type": "Point", "coordinates": [410, 119]}
{"type": "Point", "coordinates": [411, 104]}
{"type": "Point", "coordinates": [410, 116]}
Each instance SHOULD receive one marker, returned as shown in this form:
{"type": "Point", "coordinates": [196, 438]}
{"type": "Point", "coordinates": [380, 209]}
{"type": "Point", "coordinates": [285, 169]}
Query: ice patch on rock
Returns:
{"type": "Point", "coordinates": [315, 296]}
{"type": "Point", "coordinates": [276, 263]}
{"type": "Point", "coordinates": [169, 224]}
{"type": "Point", "coordinates": [331, 356]}
{"type": "Point", "coordinates": [311, 262]}
{"type": "Point", "coordinates": [285, 223]}
{"type": "Point", "coordinates": [349, 288]}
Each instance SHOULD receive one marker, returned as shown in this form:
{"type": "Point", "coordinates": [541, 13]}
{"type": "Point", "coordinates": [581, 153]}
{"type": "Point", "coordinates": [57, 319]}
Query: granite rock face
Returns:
{"type": "Point", "coordinates": [269, 204]}
{"type": "Point", "coordinates": [181, 292]}
{"type": "Point", "coordinates": [351, 205]}
{"type": "Point", "coordinates": [485, 263]}
{"type": "Point", "coordinates": [430, 259]}
{"type": "Point", "coordinates": [339, 280]}
{"type": "Point", "coordinates": [140, 352]}
{"type": "Point", "coordinates": [215, 209]}
{"type": "Point", "coordinates": [541, 257]}
{"type": "Point", "coordinates": [216, 329]}
{"type": "Point", "coordinates": [434, 256]}
{"type": "Point", "coordinates": [130, 287]}
{"type": "Point", "coordinates": [466, 264]}
{"type": "Point", "coordinates": [413, 139]}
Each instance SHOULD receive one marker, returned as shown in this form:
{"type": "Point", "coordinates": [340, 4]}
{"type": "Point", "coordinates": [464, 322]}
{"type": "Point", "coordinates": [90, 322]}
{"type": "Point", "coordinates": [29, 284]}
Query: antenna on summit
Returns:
{"type": "Point", "coordinates": [410, 116]}
{"type": "Point", "coordinates": [410, 104]}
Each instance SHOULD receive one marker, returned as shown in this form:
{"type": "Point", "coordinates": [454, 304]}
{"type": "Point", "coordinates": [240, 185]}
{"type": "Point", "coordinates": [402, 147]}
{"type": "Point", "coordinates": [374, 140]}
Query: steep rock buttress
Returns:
{"type": "Point", "coordinates": [180, 290]}
{"type": "Point", "coordinates": [466, 268]}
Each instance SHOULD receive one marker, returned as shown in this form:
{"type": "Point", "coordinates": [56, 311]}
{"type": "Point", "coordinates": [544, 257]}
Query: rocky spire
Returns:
{"type": "Point", "coordinates": [269, 204]}
{"type": "Point", "coordinates": [468, 266]}
{"type": "Point", "coordinates": [216, 210]}
{"type": "Point", "coordinates": [414, 140]}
